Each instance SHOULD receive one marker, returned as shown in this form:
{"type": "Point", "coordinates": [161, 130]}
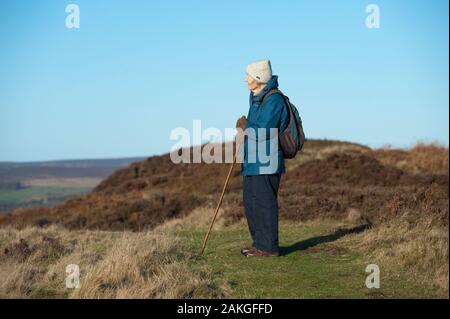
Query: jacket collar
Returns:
{"type": "Point", "coordinates": [272, 84]}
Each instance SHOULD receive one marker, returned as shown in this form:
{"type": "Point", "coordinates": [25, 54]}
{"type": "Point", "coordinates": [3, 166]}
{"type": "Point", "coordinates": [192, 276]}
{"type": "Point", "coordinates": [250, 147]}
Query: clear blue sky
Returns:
{"type": "Point", "coordinates": [135, 70]}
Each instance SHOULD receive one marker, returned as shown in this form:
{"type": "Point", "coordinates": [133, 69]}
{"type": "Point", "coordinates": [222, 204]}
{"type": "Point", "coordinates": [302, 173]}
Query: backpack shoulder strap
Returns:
{"type": "Point", "coordinates": [287, 103]}
{"type": "Point", "coordinates": [272, 91]}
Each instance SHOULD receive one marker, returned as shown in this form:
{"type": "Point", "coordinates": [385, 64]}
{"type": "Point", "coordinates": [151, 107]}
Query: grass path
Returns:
{"type": "Point", "coordinates": [314, 264]}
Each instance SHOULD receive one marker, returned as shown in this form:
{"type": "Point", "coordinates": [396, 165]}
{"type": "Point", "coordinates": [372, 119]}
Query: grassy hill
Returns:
{"type": "Point", "coordinates": [325, 181]}
{"type": "Point", "coordinates": [343, 206]}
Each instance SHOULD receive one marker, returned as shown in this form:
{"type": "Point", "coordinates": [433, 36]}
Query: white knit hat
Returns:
{"type": "Point", "coordinates": [261, 71]}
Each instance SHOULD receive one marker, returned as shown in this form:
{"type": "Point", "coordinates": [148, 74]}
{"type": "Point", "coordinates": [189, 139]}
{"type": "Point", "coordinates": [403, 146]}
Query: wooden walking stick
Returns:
{"type": "Point", "coordinates": [220, 200]}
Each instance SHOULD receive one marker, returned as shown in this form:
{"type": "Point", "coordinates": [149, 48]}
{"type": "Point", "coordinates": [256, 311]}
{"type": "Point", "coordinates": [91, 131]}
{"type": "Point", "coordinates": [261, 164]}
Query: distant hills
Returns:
{"type": "Point", "coordinates": [46, 183]}
{"type": "Point", "coordinates": [63, 168]}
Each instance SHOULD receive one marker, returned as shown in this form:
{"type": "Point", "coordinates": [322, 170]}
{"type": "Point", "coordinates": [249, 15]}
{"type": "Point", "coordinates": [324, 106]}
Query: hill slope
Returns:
{"type": "Point", "coordinates": [343, 206]}
{"type": "Point", "coordinates": [326, 180]}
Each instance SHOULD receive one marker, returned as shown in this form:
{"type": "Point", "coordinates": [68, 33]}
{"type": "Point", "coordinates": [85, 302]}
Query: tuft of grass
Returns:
{"type": "Point", "coordinates": [413, 246]}
{"type": "Point", "coordinates": [422, 157]}
{"type": "Point", "coordinates": [112, 265]}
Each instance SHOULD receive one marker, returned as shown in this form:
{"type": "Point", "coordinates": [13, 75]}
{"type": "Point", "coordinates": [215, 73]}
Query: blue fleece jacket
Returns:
{"type": "Point", "coordinates": [262, 154]}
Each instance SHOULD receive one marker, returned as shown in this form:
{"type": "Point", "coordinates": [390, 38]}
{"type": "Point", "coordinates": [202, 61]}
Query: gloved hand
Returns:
{"type": "Point", "coordinates": [241, 122]}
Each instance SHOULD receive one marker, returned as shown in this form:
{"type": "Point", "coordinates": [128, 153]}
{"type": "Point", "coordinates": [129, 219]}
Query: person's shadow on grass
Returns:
{"type": "Point", "coordinates": [311, 242]}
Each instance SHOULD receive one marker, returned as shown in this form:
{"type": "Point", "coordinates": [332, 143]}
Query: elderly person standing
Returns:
{"type": "Point", "coordinates": [261, 181]}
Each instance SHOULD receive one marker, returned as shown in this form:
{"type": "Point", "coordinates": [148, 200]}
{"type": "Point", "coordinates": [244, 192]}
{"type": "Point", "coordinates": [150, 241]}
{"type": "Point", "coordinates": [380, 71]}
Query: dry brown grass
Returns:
{"type": "Point", "coordinates": [112, 265]}
{"type": "Point", "coordinates": [415, 244]}
{"type": "Point", "coordinates": [154, 264]}
{"type": "Point", "coordinates": [432, 158]}
{"type": "Point", "coordinates": [317, 150]}
{"type": "Point", "coordinates": [200, 217]}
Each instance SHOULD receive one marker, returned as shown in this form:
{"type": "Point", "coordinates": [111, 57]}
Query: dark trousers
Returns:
{"type": "Point", "coordinates": [261, 209]}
